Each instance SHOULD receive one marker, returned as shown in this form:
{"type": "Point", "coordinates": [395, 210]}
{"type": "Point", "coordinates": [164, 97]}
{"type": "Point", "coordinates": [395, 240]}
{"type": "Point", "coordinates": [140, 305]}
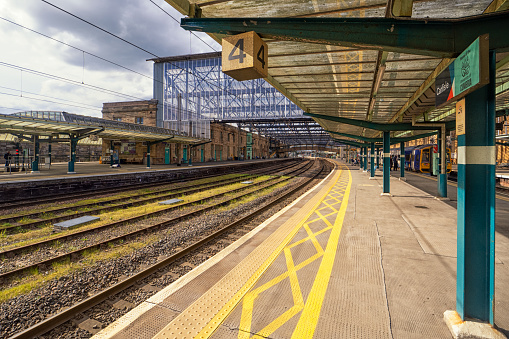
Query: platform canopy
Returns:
{"type": "Point", "coordinates": [60, 125]}
{"type": "Point", "coordinates": [369, 63]}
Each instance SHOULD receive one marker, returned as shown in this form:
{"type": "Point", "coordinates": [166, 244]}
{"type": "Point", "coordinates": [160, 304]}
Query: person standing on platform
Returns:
{"type": "Point", "coordinates": [395, 162]}
{"type": "Point", "coordinates": [7, 157]}
{"type": "Point", "coordinates": [391, 163]}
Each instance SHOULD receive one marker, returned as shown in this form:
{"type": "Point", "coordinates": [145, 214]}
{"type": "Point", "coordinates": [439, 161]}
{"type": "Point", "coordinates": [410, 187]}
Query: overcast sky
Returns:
{"type": "Point", "coordinates": [24, 52]}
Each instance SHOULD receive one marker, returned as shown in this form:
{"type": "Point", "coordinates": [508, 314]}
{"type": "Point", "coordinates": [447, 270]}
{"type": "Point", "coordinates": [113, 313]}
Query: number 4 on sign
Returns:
{"type": "Point", "coordinates": [261, 55]}
{"type": "Point", "coordinates": [239, 46]}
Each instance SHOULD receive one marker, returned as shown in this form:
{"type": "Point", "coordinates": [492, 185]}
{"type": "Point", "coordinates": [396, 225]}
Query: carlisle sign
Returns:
{"type": "Point", "coordinates": [466, 74]}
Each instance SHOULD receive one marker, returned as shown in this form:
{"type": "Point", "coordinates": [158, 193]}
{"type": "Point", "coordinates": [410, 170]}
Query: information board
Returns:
{"type": "Point", "coordinates": [460, 117]}
{"type": "Point", "coordinates": [466, 74]}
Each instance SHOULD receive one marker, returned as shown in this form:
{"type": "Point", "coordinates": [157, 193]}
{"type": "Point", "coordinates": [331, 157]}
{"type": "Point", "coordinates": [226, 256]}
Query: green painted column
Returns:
{"type": "Point", "coordinates": [35, 163]}
{"type": "Point", "coordinates": [361, 158]}
{"type": "Point", "coordinates": [387, 164]}
{"type": "Point", "coordinates": [378, 158]}
{"type": "Point", "coordinates": [442, 170]}
{"type": "Point", "coordinates": [372, 160]}
{"type": "Point", "coordinates": [402, 159]}
{"type": "Point", "coordinates": [190, 156]}
{"type": "Point", "coordinates": [70, 164]}
{"type": "Point", "coordinates": [148, 154]}
{"type": "Point", "coordinates": [365, 159]}
{"type": "Point", "coordinates": [166, 155]}
{"type": "Point", "coordinates": [111, 152]}
{"type": "Point", "coordinates": [49, 150]}
{"type": "Point", "coordinates": [475, 277]}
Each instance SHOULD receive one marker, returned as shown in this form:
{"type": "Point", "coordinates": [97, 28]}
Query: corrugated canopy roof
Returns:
{"type": "Point", "coordinates": [349, 79]}
{"type": "Point", "coordinates": [61, 124]}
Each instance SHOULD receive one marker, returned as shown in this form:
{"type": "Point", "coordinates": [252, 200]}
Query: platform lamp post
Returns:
{"type": "Point", "coordinates": [387, 163]}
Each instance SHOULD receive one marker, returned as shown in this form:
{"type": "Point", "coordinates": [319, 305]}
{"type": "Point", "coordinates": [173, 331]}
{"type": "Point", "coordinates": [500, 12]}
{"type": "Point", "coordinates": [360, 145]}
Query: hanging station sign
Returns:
{"type": "Point", "coordinates": [467, 73]}
{"type": "Point", "coordinates": [245, 56]}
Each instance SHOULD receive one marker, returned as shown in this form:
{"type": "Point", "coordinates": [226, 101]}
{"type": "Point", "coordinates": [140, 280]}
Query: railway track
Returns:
{"type": "Point", "coordinates": [113, 203]}
{"type": "Point", "coordinates": [28, 201]}
{"type": "Point", "coordinates": [157, 269]}
{"type": "Point", "coordinates": [44, 265]}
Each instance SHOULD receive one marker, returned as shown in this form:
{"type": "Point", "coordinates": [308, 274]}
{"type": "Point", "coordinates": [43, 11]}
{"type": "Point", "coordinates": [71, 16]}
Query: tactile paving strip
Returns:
{"type": "Point", "coordinates": [205, 314]}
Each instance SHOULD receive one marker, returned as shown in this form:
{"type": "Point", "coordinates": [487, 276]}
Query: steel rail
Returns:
{"type": "Point", "coordinates": [58, 319]}
{"type": "Point", "coordinates": [6, 276]}
{"type": "Point", "coordinates": [74, 208]}
{"type": "Point", "coordinates": [12, 252]}
{"type": "Point", "coordinates": [52, 198]}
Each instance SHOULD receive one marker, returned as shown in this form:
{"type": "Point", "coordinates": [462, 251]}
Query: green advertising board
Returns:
{"type": "Point", "coordinates": [466, 74]}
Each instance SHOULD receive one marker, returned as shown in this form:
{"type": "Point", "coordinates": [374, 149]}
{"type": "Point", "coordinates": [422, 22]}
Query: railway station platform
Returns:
{"type": "Point", "coordinates": [59, 170]}
{"type": "Point", "coordinates": [342, 261]}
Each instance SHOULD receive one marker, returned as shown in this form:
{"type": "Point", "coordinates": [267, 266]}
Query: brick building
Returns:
{"type": "Point", "coordinates": [226, 142]}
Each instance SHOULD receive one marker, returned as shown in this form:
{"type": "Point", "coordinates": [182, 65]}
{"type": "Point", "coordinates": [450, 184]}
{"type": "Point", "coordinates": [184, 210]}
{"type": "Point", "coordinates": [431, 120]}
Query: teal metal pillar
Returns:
{"type": "Point", "coordinates": [442, 164]}
{"type": "Point", "coordinates": [70, 164]}
{"type": "Point", "coordinates": [360, 158]}
{"type": "Point", "coordinates": [148, 154]}
{"type": "Point", "coordinates": [378, 158]}
{"type": "Point", "coordinates": [476, 205]}
{"type": "Point", "coordinates": [111, 152]}
{"type": "Point", "coordinates": [190, 156]}
{"type": "Point", "coordinates": [402, 159]}
{"type": "Point", "coordinates": [49, 149]}
{"type": "Point", "coordinates": [372, 160]}
{"type": "Point", "coordinates": [35, 163]}
{"type": "Point", "coordinates": [387, 163]}
{"type": "Point", "coordinates": [167, 155]}
{"type": "Point", "coordinates": [365, 159]}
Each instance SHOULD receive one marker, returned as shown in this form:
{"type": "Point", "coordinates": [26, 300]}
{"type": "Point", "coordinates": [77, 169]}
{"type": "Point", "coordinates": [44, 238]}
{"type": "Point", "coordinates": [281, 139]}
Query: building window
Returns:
{"type": "Point", "coordinates": [139, 120]}
{"type": "Point", "coordinates": [117, 119]}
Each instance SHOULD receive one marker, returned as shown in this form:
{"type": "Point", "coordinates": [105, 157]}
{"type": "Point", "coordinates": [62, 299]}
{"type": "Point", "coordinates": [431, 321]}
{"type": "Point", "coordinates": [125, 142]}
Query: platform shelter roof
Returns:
{"type": "Point", "coordinates": [372, 60]}
{"type": "Point", "coordinates": [62, 124]}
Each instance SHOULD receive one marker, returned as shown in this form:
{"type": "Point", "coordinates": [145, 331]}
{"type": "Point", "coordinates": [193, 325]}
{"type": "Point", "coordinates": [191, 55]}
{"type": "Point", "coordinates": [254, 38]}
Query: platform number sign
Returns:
{"type": "Point", "coordinates": [245, 56]}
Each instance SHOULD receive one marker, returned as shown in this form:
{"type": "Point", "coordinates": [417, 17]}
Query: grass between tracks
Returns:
{"type": "Point", "coordinates": [37, 279]}
{"type": "Point", "coordinates": [252, 197]}
{"type": "Point", "coordinates": [45, 233]}
{"type": "Point", "coordinates": [154, 190]}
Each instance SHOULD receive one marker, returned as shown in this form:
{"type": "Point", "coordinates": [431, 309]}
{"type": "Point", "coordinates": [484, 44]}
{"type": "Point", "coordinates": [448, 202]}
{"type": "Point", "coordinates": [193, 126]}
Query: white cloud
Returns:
{"type": "Point", "coordinates": [137, 21]}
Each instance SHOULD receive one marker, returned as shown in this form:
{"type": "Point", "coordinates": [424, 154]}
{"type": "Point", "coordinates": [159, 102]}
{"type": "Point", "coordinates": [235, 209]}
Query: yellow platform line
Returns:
{"type": "Point", "coordinates": [248, 301]}
{"type": "Point", "coordinates": [311, 313]}
{"type": "Point", "coordinates": [206, 314]}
